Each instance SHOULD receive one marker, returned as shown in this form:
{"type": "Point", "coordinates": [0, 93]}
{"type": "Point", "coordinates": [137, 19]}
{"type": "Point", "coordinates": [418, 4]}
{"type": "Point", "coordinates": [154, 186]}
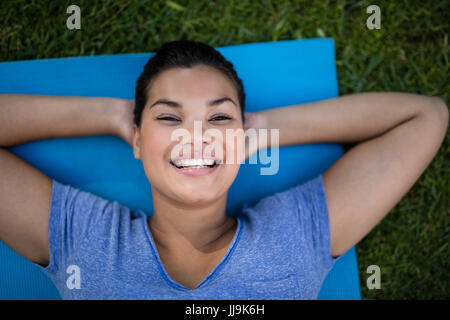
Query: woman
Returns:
{"type": "Point", "coordinates": [282, 248]}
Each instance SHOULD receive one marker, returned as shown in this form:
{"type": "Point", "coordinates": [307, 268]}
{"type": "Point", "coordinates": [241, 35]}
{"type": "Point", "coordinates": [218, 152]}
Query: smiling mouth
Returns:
{"type": "Point", "coordinates": [194, 164]}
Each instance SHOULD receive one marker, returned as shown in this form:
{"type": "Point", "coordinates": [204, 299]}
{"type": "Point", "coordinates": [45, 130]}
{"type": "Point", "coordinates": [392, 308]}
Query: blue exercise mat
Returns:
{"type": "Point", "coordinates": [275, 74]}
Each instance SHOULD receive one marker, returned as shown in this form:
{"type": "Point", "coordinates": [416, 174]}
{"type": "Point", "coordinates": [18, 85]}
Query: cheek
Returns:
{"type": "Point", "coordinates": [234, 147]}
{"type": "Point", "coordinates": [154, 144]}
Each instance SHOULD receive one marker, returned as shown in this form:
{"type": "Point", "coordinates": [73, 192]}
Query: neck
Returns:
{"type": "Point", "coordinates": [200, 228]}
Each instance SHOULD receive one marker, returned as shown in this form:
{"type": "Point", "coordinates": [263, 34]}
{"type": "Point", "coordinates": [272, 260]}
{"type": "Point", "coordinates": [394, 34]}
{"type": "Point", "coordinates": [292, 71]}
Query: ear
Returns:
{"type": "Point", "coordinates": [136, 142]}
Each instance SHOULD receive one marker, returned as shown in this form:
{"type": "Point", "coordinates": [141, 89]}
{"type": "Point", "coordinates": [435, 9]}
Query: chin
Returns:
{"type": "Point", "coordinates": [197, 196]}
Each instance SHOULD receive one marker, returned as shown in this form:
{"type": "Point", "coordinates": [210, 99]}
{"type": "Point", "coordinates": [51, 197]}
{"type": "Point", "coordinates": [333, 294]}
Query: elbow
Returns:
{"type": "Point", "coordinates": [439, 111]}
{"type": "Point", "coordinates": [443, 112]}
{"type": "Point", "coordinates": [440, 106]}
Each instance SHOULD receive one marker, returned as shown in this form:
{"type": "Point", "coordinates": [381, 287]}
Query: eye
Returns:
{"type": "Point", "coordinates": [221, 118]}
{"type": "Point", "coordinates": [168, 119]}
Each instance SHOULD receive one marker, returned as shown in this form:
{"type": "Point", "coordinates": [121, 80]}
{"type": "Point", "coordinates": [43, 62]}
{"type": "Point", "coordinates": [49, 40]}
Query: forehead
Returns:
{"type": "Point", "coordinates": [198, 81]}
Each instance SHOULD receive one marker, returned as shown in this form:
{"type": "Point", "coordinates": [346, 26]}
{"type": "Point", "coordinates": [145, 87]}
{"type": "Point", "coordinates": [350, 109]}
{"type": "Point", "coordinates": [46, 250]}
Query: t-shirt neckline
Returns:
{"type": "Point", "coordinates": [213, 272]}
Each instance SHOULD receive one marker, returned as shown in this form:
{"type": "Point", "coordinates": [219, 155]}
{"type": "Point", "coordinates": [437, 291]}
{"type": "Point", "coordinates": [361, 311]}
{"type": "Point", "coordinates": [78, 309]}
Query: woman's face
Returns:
{"type": "Point", "coordinates": [185, 96]}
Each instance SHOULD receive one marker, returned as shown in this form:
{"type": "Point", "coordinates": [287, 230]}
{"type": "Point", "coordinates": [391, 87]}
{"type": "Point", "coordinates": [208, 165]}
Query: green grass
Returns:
{"type": "Point", "coordinates": [409, 53]}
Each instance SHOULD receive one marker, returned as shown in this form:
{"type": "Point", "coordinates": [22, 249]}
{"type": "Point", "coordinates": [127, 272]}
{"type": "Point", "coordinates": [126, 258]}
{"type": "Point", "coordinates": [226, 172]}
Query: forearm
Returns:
{"type": "Point", "coordinates": [347, 119]}
{"type": "Point", "coordinates": [26, 118]}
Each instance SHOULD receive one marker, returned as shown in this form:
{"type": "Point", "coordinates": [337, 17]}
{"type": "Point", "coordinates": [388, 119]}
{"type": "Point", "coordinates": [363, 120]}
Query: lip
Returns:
{"type": "Point", "coordinates": [195, 172]}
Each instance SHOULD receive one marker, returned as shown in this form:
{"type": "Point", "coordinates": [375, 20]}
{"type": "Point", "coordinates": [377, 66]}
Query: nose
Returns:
{"type": "Point", "coordinates": [198, 139]}
{"type": "Point", "coordinates": [203, 141]}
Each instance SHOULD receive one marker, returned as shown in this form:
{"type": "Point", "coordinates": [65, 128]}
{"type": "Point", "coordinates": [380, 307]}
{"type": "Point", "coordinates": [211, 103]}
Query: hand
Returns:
{"type": "Point", "coordinates": [125, 120]}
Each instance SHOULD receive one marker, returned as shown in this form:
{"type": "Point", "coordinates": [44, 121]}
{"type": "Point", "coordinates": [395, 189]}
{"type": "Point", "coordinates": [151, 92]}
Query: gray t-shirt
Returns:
{"type": "Point", "coordinates": [100, 249]}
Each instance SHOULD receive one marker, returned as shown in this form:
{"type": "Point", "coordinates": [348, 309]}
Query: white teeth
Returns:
{"type": "Point", "coordinates": [193, 162]}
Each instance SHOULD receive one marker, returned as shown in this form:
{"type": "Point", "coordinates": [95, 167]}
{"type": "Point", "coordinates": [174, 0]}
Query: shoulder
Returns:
{"type": "Point", "coordinates": [306, 194]}
{"type": "Point", "coordinates": [291, 210]}
{"type": "Point", "coordinates": [76, 212]}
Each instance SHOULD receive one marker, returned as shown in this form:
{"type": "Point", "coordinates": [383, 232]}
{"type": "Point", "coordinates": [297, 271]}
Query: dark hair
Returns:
{"type": "Point", "coordinates": [183, 54]}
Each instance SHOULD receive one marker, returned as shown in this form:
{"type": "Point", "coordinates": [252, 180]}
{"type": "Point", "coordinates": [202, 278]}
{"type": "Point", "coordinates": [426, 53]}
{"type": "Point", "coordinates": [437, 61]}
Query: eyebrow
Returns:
{"type": "Point", "coordinates": [175, 104]}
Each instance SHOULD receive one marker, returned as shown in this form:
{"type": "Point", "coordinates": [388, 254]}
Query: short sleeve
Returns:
{"type": "Point", "coordinates": [311, 208]}
{"type": "Point", "coordinates": [72, 214]}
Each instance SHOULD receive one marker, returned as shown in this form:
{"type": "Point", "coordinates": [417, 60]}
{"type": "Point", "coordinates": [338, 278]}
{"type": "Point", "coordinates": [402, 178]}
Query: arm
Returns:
{"type": "Point", "coordinates": [397, 136]}
{"type": "Point", "coordinates": [25, 192]}
{"type": "Point", "coordinates": [26, 118]}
